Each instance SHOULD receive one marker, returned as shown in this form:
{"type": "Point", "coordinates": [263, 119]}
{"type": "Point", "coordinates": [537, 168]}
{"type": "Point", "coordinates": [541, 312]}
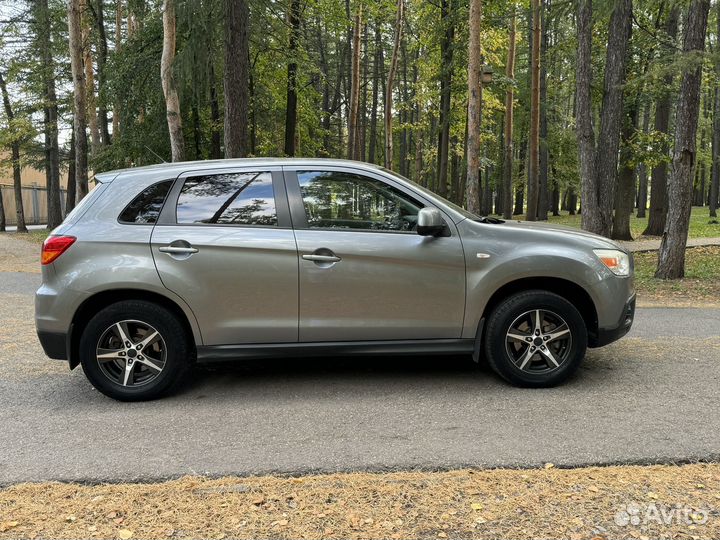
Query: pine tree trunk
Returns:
{"type": "Point", "coordinates": [658, 177]}
{"type": "Point", "coordinates": [472, 184]}
{"type": "Point", "coordinates": [101, 66]}
{"type": "Point", "coordinates": [291, 101]}
{"type": "Point", "coordinates": [624, 198]}
{"type": "Point", "coordinates": [70, 192]}
{"type": "Point", "coordinates": [377, 66]}
{"type": "Point", "coordinates": [172, 100]}
{"type": "Point", "coordinates": [236, 77]}
{"type": "Point", "coordinates": [671, 259]}
{"type": "Point", "coordinates": [642, 198]}
{"type": "Point", "coordinates": [399, 18]}
{"type": "Point", "coordinates": [715, 181]}
{"type": "Point", "coordinates": [353, 151]}
{"type": "Point", "coordinates": [15, 155]}
{"type": "Point", "coordinates": [446, 66]}
{"type": "Point", "coordinates": [583, 114]}
{"type": "Point", "coordinates": [80, 104]}
{"type": "Point", "coordinates": [543, 196]}
{"type": "Point", "coordinates": [215, 149]}
{"type": "Point", "coordinates": [509, 97]}
{"type": "Point", "coordinates": [597, 204]}
{"type": "Point", "coordinates": [89, 82]}
{"type": "Point", "coordinates": [118, 48]}
{"type": "Point", "coordinates": [534, 141]}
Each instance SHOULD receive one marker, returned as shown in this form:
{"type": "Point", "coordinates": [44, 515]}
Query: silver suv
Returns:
{"type": "Point", "coordinates": [162, 267]}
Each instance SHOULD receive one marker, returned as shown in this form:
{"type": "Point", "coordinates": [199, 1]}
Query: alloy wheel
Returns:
{"type": "Point", "coordinates": [131, 353]}
{"type": "Point", "coordinates": [538, 341]}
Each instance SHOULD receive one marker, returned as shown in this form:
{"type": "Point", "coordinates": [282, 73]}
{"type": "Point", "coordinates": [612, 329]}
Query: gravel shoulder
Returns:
{"type": "Point", "coordinates": [18, 255]}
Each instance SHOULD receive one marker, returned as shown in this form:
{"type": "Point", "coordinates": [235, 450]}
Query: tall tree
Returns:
{"type": "Point", "coordinates": [389, 83]}
{"type": "Point", "coordinates": [534, 141]}
{"type": "Point", "coordinates": [509, 98]}
{"type": "Point", "coordinates": [15, 154]}
{"type": "Point", "coordinates": [354, 113]}
{"type": "Point", "coordinates": [446, 68]}
{"type": "Point", "coordinates": [80, 103]}
{"type": "Point", "coordinates": [599, 165]}
{"type": "Point", "coordinates": [291, 100]}
{"type": "Point", "coordinates": [172, 100]}
{"type": "Point", "coordinates": [671, 259]}
{"type": "Point", "coordinates": [715, 182]}
{"type": "Point", "coordinates": [236, 77]}
{"type": "Point", "coordinates": [658, 176]}
{"type": "Point", "coordinates": [472, 185]}
{"type": "Point", "coordinates": [102, 55]}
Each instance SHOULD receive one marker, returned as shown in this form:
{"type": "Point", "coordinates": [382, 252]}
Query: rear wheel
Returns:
{"type": "Point", "coordinates": [535, 339]}
{"type": "Point", "coordinates": [134, 350]}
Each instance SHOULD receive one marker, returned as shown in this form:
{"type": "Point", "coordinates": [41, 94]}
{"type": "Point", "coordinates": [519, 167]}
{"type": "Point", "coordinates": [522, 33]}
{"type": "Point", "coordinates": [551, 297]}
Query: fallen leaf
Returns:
{"type": "Point", "coordinates": [442, 535]}
{"type": "Point", "coordinates": [7, 525]}
{"type": "Point", "coordinates": [549, 465]}
{"type": "Point", "coordinates": [594, 489]}
{"type": "Point", "coordinates": [125, 534]}
{"type": "Point", "coordinates": [652, 495]}
{"type": "Point", "coordinates": [70, 519]}
{"type": "Point", "coordinates": [257, 501]}
{"type": "Point", "coordinates": [476, 506]}
{"type": "Point", "coordinates": [92, 528]}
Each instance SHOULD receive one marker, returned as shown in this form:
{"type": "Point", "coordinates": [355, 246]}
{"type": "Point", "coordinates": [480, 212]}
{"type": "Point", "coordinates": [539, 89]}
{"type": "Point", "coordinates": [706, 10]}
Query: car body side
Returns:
{"type": "Point", "coordinates": [114, 261]}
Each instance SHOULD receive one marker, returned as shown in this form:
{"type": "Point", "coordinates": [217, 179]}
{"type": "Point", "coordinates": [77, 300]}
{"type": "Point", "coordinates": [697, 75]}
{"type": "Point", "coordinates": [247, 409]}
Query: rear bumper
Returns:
{"type": "Point", "coordinates": [608, 335]}
{"type": "Point", "coordinates": [55, 344]}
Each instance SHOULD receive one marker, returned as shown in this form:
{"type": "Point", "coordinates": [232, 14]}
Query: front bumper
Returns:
{"type": "Point", "coordinates": [608, 335]}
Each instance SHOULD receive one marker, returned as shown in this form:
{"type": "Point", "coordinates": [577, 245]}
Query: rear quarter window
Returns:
{"type": "Point", "coordinates": [145, 208]}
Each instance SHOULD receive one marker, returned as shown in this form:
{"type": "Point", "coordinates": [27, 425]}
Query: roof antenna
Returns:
{"type": "Point", "coordinates": [155, 154]}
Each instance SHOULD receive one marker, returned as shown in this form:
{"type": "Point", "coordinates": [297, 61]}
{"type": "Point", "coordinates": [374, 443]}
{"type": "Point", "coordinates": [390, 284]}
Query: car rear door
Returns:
{"type": "Point", "coordinates": [225, 244]}
{"type": "Point", "coordinates": [365, 274]}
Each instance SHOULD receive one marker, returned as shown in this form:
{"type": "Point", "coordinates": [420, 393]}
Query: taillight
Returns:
{"type": "Point", "coordinates": [54, 246]}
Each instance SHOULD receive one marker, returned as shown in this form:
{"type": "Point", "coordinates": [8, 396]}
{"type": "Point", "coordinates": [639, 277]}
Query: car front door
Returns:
{"type": "Point", "coordinates": [224, 243]}
{"type": "Point", "coordinates": [365, 274]}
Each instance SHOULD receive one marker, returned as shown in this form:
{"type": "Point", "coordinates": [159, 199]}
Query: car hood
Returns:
{"type": "Point", "coordinates": [567, 233]}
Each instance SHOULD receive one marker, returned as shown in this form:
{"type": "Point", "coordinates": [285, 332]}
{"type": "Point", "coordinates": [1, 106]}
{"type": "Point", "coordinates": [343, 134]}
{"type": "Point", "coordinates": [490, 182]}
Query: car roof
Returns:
{"type": "Point", "coordinates": [179, 166]}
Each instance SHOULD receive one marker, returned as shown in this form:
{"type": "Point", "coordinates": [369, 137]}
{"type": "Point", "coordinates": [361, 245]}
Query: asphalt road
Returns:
{"type": "Point", "coordinates": [651, 397]}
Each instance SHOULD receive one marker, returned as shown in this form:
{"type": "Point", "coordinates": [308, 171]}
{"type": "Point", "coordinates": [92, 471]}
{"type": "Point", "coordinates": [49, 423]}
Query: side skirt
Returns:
{"type": "Point", "coordinates": [215, 353]}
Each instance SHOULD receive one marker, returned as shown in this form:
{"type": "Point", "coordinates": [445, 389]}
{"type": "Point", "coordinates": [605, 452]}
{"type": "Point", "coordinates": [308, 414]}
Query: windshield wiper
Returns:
{"type": "Point", "coordinates": [490, 219]}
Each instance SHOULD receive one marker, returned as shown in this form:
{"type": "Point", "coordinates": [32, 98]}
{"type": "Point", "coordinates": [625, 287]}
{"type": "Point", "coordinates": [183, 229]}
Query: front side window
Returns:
{"type": "Point", "coordinates": [145, 208]}
{"type": "Point", "coordinates": [230, 199]}
{"type": "Point", "coordinates": [341, 200]}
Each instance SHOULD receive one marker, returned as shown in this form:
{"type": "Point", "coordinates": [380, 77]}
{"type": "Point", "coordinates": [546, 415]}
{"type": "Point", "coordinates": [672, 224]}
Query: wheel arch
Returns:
{"type": "Point", "coordinates": [569, 290]}
{"type": "Point", "coordinates": [99, 300]}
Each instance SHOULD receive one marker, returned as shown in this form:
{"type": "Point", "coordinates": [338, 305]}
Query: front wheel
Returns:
{"type": "Point", "coordinates": [535, 339]}
{"type": "Point", "coordinates": [134, 350]}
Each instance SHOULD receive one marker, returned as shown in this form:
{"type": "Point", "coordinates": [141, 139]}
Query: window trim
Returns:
{"type": "Point", "coordinates": [297, 205]}
{"type": "Point", "coordinates": [167, 196]}
{"type": "Point", "coordinates": [168, 214]}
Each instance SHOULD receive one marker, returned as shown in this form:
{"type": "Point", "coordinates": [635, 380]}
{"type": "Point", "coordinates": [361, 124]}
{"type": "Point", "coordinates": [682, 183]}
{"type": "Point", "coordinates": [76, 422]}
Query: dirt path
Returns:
{"type": "Point", "coordinates": [18, 255]}
{"type": "Point", "coordinates": [653, 244]}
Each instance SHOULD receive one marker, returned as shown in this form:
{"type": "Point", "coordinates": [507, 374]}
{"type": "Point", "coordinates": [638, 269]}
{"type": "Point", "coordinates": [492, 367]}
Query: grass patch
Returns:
{"type": "Point", "coordinates": [33, 236]}
{"type": "Point", "coordinates": [700, 223]}
{"type": "Point", "coordinates": [701, 282]}
{"type": "Point", "coordinates": [536, 503]}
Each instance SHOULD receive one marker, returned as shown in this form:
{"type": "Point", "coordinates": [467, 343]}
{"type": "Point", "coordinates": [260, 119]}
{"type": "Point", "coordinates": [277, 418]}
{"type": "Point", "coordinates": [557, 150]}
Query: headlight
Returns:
{"type": "Point", "coordinates": [617, 261]}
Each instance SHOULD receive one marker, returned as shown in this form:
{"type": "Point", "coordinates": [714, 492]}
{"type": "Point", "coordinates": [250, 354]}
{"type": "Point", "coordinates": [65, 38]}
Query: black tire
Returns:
{"type": "Point", "coordinates": [173, 346]}
{"type": "Point", "coordinates": [559, 357]}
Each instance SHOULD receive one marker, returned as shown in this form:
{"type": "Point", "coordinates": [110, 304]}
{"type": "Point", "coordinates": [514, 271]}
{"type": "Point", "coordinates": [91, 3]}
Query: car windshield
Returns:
{"type": "Point", "coordinates": [458, 209]}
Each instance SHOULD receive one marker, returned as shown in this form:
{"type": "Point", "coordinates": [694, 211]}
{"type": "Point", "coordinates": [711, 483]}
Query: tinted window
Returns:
{"type": "Point", "coordinates": [237, 198]}
{"type": "Point", "coordinates": [340, 200]}
{"type": "Point", "coordinates": [145, 208]}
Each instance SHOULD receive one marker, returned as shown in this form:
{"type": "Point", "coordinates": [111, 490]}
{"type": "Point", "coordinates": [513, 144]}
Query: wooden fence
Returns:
{"type": "Point", "coordinates": [35, 204]}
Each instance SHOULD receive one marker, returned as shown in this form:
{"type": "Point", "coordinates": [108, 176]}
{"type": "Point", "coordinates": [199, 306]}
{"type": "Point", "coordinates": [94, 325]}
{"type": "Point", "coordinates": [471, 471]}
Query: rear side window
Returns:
{"type": "Point", "coordinates": [145, 208]}
{"type": "Point", "coordinates": [229, 199]}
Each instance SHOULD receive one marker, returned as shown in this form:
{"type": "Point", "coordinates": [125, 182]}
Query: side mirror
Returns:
{"type": "Point", "coordinates": [430, 222]}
